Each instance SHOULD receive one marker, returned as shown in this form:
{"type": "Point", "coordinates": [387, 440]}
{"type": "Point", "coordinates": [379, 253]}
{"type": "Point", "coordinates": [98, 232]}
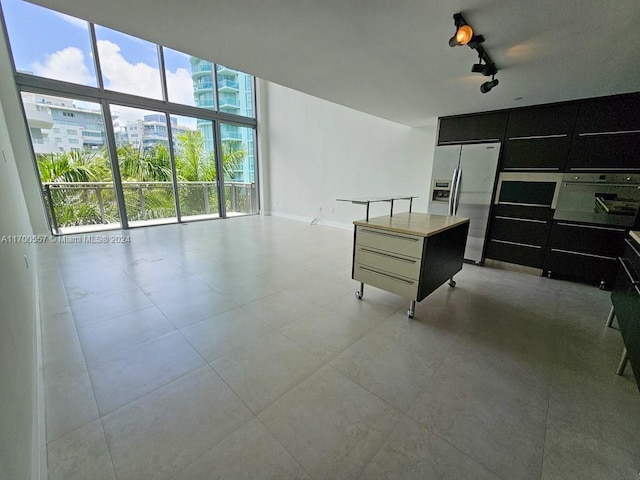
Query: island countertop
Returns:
{"type": "Point", "coordinates": [422, 224]}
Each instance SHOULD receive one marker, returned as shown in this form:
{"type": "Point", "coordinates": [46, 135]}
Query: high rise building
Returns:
{"type": "Point", "coordinates": [235, 96]}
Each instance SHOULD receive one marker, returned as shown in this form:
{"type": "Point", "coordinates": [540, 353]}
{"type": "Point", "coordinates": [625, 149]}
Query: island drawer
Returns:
{"type": "Point", "coordinates": [389, 262]}
{"type": "Point", "coordinates": [400, 243]}
{"type": "Point", "coordinates": [403, 286]}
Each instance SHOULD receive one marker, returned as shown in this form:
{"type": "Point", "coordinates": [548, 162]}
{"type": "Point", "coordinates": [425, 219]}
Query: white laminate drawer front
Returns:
{"type": "Point", "coordinates": [401, 243]}
{"type": "Point", "coordinates": [405, 287]}
{"type": "Point", "coordinates": [389, 262]}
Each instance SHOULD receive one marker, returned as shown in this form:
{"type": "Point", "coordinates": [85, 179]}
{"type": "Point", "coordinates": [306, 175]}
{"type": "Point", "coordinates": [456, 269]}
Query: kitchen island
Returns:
{"type": "Point", "coordinates": [409, 254]}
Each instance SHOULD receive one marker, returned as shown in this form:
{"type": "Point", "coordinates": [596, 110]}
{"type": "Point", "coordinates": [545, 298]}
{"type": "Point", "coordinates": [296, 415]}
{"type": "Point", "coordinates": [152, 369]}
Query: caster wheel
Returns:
{"type": "Point", "coordinates": [358, 295]}
{"type": "Point", "coordinates": [409, 314]}
{"type": "Point", "coordinates": [602, 286]}
{"type": "Point", "coordinates": [452, 283]}
{"type": "Point", "coordinates": [549, 275]}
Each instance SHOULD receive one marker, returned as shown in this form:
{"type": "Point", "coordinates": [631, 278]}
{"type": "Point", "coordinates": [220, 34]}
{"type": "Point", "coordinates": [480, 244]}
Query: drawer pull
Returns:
{"type": "Point", "coordinates": [516, 243]}
{"type": "Point", "coordinates": [527, 169]}
{"type": "Point", "coordinates": [393, 277]}
{"type": "Point", "coordinates": [632, 246]}
{"type": "Point", "coordinates": [516, 219]}
{"type": "Point", "coordinates": [592, 227]}
{"type": "Point", "coordinates": [583, 254]}
{"type": "Point", "coordinates": [597, 134]}
{"type": "Point", "coordinates": [378, 232]}
{"type": "Point", "coordinates": [537, 137]}
{"type": "Point", "coordinates": [375, 252]}
{"type": "Point", "coordinates": [626, 269]}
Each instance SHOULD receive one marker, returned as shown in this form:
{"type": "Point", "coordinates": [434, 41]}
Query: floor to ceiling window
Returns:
{"type": "Point", "coordinates": [128, 133]}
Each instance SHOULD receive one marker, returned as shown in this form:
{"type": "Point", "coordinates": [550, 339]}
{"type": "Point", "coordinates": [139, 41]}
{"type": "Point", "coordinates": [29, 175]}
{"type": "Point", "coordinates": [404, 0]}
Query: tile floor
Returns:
{"type": "Point", "coordinates": [236, 349]}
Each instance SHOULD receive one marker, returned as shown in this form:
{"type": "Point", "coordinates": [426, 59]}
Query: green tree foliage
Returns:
{"type": "Point", "coordinates": [80, 206]}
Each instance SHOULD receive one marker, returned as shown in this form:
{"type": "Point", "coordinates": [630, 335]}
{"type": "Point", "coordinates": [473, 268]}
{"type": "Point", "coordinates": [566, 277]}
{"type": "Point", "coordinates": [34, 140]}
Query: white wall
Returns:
{"type": "Point", "coordinates": [18, 408]}
{"type": "Point", "coordinates": [19, 427]}
{"type": "Point", "coordinates": [315, 151]}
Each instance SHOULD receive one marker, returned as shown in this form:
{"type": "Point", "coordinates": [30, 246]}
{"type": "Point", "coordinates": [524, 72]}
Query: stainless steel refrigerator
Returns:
{"type": "Point", "coordinates": [462, 184]}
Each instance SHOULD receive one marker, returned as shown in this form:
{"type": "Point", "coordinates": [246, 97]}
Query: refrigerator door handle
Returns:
{"type": "Point", "coordinates": [452, 192]}
{"type": "Point", "coordinates": [456, 196]}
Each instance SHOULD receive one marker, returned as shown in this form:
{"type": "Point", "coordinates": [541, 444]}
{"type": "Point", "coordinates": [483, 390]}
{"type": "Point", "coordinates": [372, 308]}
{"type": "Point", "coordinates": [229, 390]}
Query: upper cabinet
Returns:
{"type": "Point", "coordinates": [607, 135]}
{"type": "Point", "coordinates": [476, 128]}
{"type": "Point", "coordinates": [539, 138]}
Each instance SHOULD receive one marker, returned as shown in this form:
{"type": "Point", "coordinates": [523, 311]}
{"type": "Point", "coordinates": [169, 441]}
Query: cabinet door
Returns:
{"type": "Point", "coordinates": [539, 138]}
{"type": "Point", "coordinates": [607, 135]}
{"type": "Point", "coordinates": [544, 154]}
{"type": "Point", "coordinates": [513, 252]}
{"type": "Point", "coordinates": [594, 239]}
{"type": "Point", "coordinates": [546, 121]}
{"type": "Point", "coordinates": [582, 266]}
{"type": "Point", "coordinates": [617, 151]}
{"type": "Point", "coordinates": [486, 127]}
{"type": "Point", "coordinates": [617, 114]}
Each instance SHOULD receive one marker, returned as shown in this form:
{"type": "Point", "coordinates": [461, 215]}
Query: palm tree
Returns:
{"type": "Point", "coordinates": [76, 206]}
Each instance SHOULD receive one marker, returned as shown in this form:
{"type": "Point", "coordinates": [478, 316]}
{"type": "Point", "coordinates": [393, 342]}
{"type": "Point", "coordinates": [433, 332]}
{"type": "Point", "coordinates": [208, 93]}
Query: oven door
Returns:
{"type": "Point", "coordinates": [586, 199]}
{"type": "Point", "coordinates": [528, 189]}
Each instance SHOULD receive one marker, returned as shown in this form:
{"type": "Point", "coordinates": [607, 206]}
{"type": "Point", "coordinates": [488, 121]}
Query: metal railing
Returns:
{"type": "Point", "coordinates": [93, 203]}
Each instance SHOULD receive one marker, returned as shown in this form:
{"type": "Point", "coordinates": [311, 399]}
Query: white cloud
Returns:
{"type": "Point", "coordinates": [67, 64]}
{"type": "Point", "coordinates": [122, 76]}
{"type": "Point", "coordinates": [180, 86]}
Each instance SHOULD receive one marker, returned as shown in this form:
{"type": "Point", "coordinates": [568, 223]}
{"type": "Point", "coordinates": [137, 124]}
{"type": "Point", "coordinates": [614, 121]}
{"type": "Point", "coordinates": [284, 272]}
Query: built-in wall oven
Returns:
{"type": "Point", "coordinates": [528, 189]}
{"type": "Point", "coordinates": [605, 199]}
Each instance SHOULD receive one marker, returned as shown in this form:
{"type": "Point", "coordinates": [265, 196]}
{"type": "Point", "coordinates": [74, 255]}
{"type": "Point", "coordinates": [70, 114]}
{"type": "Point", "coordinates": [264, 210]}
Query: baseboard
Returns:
{"type": "Point", "coordinates": [513, 267]}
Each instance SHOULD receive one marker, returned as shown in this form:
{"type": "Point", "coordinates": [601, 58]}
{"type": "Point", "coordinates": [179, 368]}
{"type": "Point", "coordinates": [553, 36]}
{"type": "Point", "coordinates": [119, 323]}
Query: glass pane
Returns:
{"type": "Point", "coordinates": [69, 141]}
{"type": "Point", "coordinates": [235, 92]}
{"type": "Point", "coordinates": [49, 44]}
{"type": "Point", "coordinates": [142, 141]}
{"type": "Point", "coordinates": [189, 79]}
{"type": "Point", "coordinates": [128, 64]}
{"type": "Point", "coordinates": [196, 167]}
{"type": "Point", "coordinates": [238, 163]}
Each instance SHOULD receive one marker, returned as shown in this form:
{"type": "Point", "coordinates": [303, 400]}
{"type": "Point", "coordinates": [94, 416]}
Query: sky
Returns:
{"type": "Point", "coordinates": [54, 45]}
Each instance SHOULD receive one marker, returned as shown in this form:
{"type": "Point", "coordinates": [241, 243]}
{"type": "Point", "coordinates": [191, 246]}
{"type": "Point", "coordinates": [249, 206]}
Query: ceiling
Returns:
{"type": "Point", "coordinates": [391, 59]}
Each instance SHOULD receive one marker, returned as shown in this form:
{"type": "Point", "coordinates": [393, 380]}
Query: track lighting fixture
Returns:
{"type": "Point", "coordinates": [487, 86]}
{"type": "Point", "coordinates": [465, 36]}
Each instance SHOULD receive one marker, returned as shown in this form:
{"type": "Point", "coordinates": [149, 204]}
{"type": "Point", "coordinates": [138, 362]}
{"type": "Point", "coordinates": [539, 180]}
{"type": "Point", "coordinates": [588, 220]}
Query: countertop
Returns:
{"type": "Point", "coordinates": [422, 224]}
{"type": "Point", "coordinates": [635, 235]}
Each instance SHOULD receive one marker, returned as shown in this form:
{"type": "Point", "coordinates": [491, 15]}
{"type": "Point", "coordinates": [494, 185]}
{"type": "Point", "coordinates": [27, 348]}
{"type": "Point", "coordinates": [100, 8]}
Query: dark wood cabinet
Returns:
{"type": "Point", "coordinates": [475, 128]}
{"type": "Point", "coordinates": [625, 299]}
{"type": "Point", "coordinates": [607, 135]}
{"type": "Point", "coordinates": [551, 120]}
{"type": "Point", "coordinates": [585, 252]}
{"type": "Point", "coordinates": [605, 152]}
{"type": "Point", "coordinates": [519, 234]}
{"type": "Point", "coordinates": [539, 138]}
{"type": "Point", "coordinates": [609, 114]}
{"type": "Point", "coordinates": [543, 154]}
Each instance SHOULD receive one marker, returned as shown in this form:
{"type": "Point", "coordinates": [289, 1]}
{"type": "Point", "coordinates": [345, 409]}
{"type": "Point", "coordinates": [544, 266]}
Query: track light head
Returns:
{"type": "Point", "coordinates": [463, 35]}
{"type": "Point", "coordinates": [486, 87]}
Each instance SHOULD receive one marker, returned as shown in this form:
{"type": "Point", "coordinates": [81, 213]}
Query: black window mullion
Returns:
{"type": "Point", "coordinates": [115, 166]}
{"type": "Point", "coordinates": [96, 57]}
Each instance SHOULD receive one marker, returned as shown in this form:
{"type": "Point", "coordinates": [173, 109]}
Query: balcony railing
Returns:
{"type": "Point", "coordinates": [223, 84]}
{"type": "Point", "coordinates": [74, 204]}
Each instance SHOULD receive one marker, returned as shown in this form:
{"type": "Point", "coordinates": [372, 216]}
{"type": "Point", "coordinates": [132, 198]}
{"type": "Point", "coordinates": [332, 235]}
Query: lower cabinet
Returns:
{"type": "Point", "coordinates": [584, 252]}
{"type": "Point", "coordinates": [519, 234]}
